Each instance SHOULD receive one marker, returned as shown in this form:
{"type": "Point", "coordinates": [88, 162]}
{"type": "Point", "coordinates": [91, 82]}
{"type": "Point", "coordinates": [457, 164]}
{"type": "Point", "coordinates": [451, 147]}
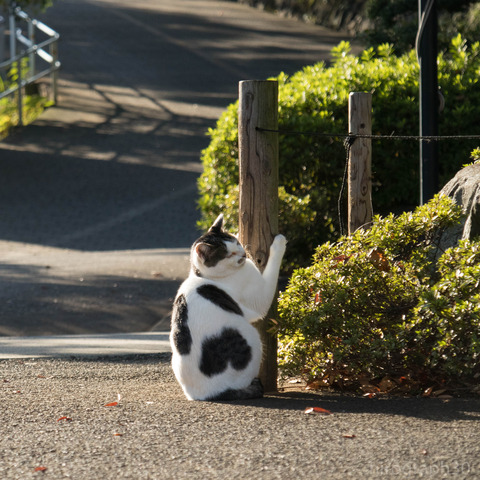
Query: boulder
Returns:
{"type": "Point", "coordinates": [464, 188]}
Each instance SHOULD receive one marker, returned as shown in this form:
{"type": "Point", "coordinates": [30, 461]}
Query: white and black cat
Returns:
{"type": "Point", "coordinates": [216, 350]}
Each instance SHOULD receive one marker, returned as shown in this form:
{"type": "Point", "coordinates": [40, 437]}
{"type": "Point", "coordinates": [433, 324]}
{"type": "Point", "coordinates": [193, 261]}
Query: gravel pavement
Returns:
{"type": "Point", "coordinates": [54, 415]}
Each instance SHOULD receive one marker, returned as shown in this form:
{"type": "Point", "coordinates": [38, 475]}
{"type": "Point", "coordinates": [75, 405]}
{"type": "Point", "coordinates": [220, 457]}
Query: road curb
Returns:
{"type": "Point", "coordinates": [58, 346]}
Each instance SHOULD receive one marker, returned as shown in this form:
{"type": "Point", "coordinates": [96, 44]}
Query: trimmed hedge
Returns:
{"type": "Point", "coordinates": [311, 168]}
{"type": "Point", "coordinates": [377, 311]}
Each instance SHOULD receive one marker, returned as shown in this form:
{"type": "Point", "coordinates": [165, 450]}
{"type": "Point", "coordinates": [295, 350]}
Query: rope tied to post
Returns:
{"type": "Point", "coordinates": [426, 138]}
{"type": "Point", "coordinates": [348, 141]}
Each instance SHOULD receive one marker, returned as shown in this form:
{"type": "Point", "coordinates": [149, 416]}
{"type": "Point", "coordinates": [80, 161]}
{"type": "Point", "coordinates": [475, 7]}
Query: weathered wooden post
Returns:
{"type": "Point", "coordinates": [258, 209]}
{"type": "Point", "coordinates": [360, 161]}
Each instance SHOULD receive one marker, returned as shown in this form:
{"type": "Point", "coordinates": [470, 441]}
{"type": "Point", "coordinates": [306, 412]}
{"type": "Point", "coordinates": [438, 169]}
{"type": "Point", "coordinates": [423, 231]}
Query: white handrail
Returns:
{"type": "Point", "coordinates": [32, 51]}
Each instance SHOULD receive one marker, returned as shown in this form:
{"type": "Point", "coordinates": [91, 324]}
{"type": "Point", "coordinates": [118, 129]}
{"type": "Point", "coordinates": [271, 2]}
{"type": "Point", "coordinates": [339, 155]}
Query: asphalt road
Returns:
{"type": "Point", "coordinates": [98, 196]}
{"type": "Point", "coordinates": [54, 417]}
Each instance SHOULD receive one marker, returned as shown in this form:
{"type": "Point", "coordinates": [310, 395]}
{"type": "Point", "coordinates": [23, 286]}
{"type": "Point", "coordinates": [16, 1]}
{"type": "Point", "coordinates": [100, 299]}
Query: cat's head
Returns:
{"type": "Point", "coordinates": [217, 253]}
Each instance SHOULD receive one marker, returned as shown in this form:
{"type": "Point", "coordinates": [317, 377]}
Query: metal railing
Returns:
{"type": "Point", "coordinates": [26, 42]}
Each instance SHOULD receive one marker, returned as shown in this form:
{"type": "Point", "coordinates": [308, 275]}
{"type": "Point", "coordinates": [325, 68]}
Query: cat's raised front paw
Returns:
{"type": "Point", "coordinates": [279, 244]}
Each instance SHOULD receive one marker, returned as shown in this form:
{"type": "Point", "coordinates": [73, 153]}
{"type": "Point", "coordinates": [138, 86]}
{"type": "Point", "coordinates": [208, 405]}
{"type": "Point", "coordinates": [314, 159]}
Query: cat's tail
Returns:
{"type": "Point", "coordinates": [254, 390]}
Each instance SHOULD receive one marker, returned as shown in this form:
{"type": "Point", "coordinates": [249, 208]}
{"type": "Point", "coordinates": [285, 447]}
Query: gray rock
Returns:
{"type": "Point", "coordinates": [464, 188]}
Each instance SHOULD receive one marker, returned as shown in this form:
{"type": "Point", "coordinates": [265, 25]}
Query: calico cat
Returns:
{"type": "Point", "coordinates": [216, 350]}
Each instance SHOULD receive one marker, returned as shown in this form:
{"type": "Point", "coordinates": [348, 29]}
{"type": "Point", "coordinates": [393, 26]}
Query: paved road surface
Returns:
{"type": "Point", "coordinates": [155, 433]}
{"type": "Point", "coordinates": [98, 197]}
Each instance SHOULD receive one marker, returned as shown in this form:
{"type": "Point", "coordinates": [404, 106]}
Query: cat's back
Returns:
{"type": "Point", "coordinates": [208, 305]}
{"type": "Point", "coordinates": [214, 347]}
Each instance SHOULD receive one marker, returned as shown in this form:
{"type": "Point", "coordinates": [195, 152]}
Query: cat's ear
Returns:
{"type": "Point", "coordinates": [217, 224]}
{"type": "Point", "coordinates": [202, 249]}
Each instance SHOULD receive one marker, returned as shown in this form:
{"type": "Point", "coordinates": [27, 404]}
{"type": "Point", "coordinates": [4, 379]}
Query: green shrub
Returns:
{"type": "Point", "coordinates": [476, 155]}
{"type": "Point", "coordinates": [33, 105]}
{"type": "Point", "coordinates": [311, 167]}
{"type": "Point", "coordinates": [447, 318]}
{"type": "Point", "coordinates": [378, 305]}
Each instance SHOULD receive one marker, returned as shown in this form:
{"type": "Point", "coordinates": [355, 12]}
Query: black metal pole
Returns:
{"type": "Point", "coordinates": [429, 99]}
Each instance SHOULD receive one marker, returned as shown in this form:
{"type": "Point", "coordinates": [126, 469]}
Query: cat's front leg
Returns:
{"type": "Point", "coordinates": [270, 274]}
{"type": "Point", "coordinates": [272, 268]}
{"type": "Point", "coordinates": [278, 247]}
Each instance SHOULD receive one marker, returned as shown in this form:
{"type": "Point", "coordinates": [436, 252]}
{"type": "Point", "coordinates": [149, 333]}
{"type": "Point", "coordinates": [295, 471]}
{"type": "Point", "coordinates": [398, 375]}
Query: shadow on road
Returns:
{"type": "Point", "coordinates": [426, 408]}
{"type": "Point", "coordinates": [35, 301]}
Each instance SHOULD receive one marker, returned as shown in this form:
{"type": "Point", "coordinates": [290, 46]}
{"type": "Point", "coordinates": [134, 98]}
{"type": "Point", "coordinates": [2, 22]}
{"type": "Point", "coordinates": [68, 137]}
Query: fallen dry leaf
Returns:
{"type": "Point", "coordinates": [386, 384]}
{"type": "Point", "coordinates": [369, 388]}
{"type": "Point", "coordinates": [114, 404]}
{"type": "Point", "coordinates": [379, 260]}
{"type": "Point", "coordinates": [427, 392]}
{"type": "Point", "coordinates": [64, 418]}
{"type": "Point", "coordinates": [441, 394]}
{"type": "Point", "coordinates": [341, 258]}
{"type": "Point", "coordinates": [320, 410]}
{"type": "Point", "coordinates": [315, 385]}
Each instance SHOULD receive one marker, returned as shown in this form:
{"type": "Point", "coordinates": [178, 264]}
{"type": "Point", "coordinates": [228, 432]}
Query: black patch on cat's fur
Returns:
{"type": "Point", "coordinates": [219, 298]}
{"type": "Point", "coordinates": [212, 247]}
{"type": "Point", "coordinates": [254, 390]}
{"type": "Point", "coordinates": [220, 350]}
{"type": "Point", "coordinates": [180, 331]}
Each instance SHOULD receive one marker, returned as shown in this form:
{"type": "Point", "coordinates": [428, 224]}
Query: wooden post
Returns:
{"type": "Point", "coordinates": [258, 203]}
{"type": "Point", "coordinates": [360, 162]}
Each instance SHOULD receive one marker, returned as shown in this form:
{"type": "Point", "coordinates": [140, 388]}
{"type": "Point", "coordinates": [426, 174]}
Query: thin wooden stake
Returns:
{"type": "Point", "coordinates": [360, 162]}
{"type": "Point", "coordinates": [258, 162]}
